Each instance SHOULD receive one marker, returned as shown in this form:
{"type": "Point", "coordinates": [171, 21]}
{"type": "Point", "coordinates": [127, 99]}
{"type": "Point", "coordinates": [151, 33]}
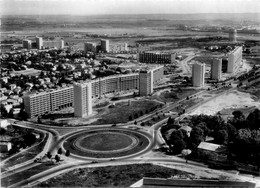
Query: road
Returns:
{"type": "Point", "coordinates": [56, 139]}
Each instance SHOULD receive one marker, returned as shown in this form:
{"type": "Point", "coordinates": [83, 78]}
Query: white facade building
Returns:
{"type": "Point", "coordinates": [104, 45]}
{"type": "Point", "coordinates": [234, 59]}
{"type": "Point", "coordinates": [39, 43]}
{"type": "Point", "coordinates": [82, 99]}
{"type": "Point", "coordinates": [198, 74]}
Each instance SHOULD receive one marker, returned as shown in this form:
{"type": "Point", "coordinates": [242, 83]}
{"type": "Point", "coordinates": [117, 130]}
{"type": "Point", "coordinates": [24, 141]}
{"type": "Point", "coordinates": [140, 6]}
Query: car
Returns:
{"type": "Point", "coordinates": [94, 162]}
{"type": "Point", "coordinates": [112, 159]}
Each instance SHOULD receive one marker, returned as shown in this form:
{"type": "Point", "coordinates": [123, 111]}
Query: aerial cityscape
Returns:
{"type": "Point", "coordinates": [130, 93]}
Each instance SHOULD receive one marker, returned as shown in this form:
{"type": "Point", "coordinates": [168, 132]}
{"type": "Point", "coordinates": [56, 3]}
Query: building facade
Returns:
{"type": "Point", "coordinates": [104, 45]}
{"type": "Point", "coordinates": [232, 35]}
{"type": "Point", "coordinates": [216, 69]}
{"type": "Point", "coordinates": [59, 44]}
{"type": "Point", "coordinates": [27, 44]}
{"type": "Point", "coordinates": [145, 82]}
{"type": "Point", "coordinates": [39, 43]}
{"type": "Point", "coordinates": [198, 74]}
{"type": "Point", "coordinates": [159, 58]}
{"type": "Point", "coordinates": [234, 59]}
{"type": "Point", "coordinates": [80, 95]}
{"type": "Point", "coordinates": [82, 99]}
{"type": "Point", "coordinates": [90, 47]}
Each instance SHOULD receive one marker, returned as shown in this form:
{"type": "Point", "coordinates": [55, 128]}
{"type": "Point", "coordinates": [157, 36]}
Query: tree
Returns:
{"type": "Point", "coordinates": [57, 158]}
{"type": "Point", "coordinates": [238, 114]}
{"type": "Point", "coordinates": [49, 155]}
{"type": "Point", "coordinates": [29, 138]}
{"type": "Point", "coordinates": [179, 146]}
{"type": "Point", "coordinates": [142, 124]}
{"type": "Point", "coordinates": [23, 115]}
{"type": "Point", "coordinates": [67, 154]}
{"type": "Point", "coordinates": [254, 119]}
{"type": "Point", "coordinates": [59, 151]}
{"type": "Point", "coordinates": [196, 136]}
{"type": "Point", "coordinates": [170, 121]}
{"type": "Point", "coordinates": [141, 113]}
{"type": "Point", "coordinates": [221, 137]}
{"type": "Point", "coordinates": [2, 131]}
{"type": "Point", "coordinates": [135, 123]}
{"type": "Point", "coordinates": [130, 118]}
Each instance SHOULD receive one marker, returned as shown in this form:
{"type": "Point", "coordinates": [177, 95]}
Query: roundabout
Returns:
{"type": "Point", "coordinates": [106, 143]}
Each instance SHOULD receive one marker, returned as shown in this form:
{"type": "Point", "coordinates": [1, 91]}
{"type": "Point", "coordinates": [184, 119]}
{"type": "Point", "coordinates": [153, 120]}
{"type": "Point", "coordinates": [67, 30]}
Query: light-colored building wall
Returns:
{"type": "Point", "coordinates": [39, 103]}
{"type": "Point", "coordinates": [62, 98]}
{"type": "Point", "coordinates": [39, 43]}
{"type": "Point", "coordinates": [216, 69]}
{"type": "Point", "coordinates": [104, 45]}
{"type": "Point", "coordinates": [198, 74]}
{"type": "Point", "coordinates": [234, 59]}
{"type": "Point", "coordinates": [59, 44]}
{"type": "Point", "coordinates": [82, 99]}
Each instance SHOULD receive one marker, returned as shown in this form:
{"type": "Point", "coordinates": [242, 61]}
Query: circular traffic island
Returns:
{"type": "Point", "coordinates": [108, 143]}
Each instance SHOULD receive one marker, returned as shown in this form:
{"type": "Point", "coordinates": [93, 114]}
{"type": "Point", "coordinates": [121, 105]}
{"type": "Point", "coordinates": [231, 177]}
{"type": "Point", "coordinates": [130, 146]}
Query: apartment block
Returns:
{"type": "Point", "coordinates": [234, 59]}
{"type": "Point", "coordinates": [39, 43]}
{"type": "Point", "coordinates": [27, 44]}
{"type": "Point", "coordinates": [216, 69]}
{"type": "Point", "coordinates": [82, 99]}
{"type": "Point", "coordinates": [90, 47]}
{"type": "Point", "coordinates": [104, 45]}
{"type": "Point", "coordinates": [145, 82]}
{"type": "Point", "coordinates": [198, 74]}
{"type": "Point", "coordinates": [37, 104]}
{"type": "Point", "coordinates": [159, 58]}
{"type": "Point", "coordinates": [80, 95]}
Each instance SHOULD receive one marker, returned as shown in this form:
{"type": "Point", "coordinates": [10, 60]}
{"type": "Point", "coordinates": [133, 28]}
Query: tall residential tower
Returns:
{"type": "Point", "coordinates": [198, 74]}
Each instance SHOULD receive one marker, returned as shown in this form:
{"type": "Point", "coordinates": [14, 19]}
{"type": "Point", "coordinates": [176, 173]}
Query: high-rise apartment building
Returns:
{"type": "Point", "coordinates": [39, 43]}
{"type": "Point", "coordinates": [198, 74]}
{"type": "Point", "coordinates": [80, 95]}
{"type": "Point", "coordinates": [82, 99]}
{"type": "Point", "coordinates": [145, 82]}
{"type": "Point", "coordinates": [104, 45]}
{"type": "Point", "coordinates": [234, 59]}
{"type": "Point", "coordinates": [27, 44]}
{"type": "Point", "coordinates": [90, 47]}
{"type": "Point", "coordinates": [216, 69]}
{"type": "Point", "coordinates": [233, 35]}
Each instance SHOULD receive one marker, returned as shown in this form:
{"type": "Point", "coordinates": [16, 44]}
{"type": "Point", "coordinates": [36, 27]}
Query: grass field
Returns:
{"type": "Point", "coordinates": [142, 144]}
{"type": "Point", "coordinates": [106, 142]}
{"type": "Point", "coordinates": [122, 111]}
{"type": "Point", "coordinates": [112, 176]}
{"type": "Point", "coordinates": [20, 176]}
{"type": "Point", "coordinates": [174, 95]}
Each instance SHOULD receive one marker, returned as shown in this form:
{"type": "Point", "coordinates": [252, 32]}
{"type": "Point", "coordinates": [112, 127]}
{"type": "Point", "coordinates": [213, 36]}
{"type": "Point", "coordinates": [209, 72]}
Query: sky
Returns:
{"type": "Point", "coordinates": [96, 7]}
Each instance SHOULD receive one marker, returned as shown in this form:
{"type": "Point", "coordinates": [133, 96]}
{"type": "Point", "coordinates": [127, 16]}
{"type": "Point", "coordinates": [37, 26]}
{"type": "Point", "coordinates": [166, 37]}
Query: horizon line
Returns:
{"type": "Point", "coordinates": [127, 14]}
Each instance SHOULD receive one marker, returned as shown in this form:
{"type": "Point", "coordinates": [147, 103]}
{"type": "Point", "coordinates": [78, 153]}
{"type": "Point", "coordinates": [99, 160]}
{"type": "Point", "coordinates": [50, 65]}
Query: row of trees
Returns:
{"type": "Point", "coordinates": [57, 157]}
